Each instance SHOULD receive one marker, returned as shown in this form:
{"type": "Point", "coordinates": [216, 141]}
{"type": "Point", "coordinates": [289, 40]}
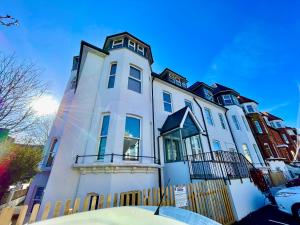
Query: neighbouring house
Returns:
{"type": "Point", "coordinates": [286, 133]}
{"type": "Point", "coordinates": [268, 138]}
{"type": "Point", "coordinates": [123, 127]}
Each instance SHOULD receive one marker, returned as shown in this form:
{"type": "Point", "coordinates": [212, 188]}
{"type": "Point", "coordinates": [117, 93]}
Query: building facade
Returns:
{"type": "Point", "coordinates": [123, 127]}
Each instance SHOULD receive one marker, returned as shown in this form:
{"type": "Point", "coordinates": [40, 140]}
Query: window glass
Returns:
{"type": "Point", "coordinates": [285, 138]}
{"type": "Point", "coordinates": [216, 145]}
{"type": "Point", "coordinates": [236, 122]}
{"type": "Point", "coordinates": [222, 121]}
{"type": "Point", "coordinates": [268, 150]}
{"type": "Point", "coordinates": [117, 43]}
{"type": "Point", "coordinates": [131, 44]}
{"type": "Point", "coordinates": [135, 73]}
{"type": "Point", "coordinates": [132, 138]}
{"type": "Point", "coordinates": [172, 147]}
{"type": "Point", "coordinates": [258, 154]}
{"type": "Point", "coordinates": [227, 100]}
{"type": "Point", "coordinates": [134, 80]}
{"type": "Point", "coordinates": [250, 108]}
{"type": "Point", "coordinates": [188, 104]}
{"type": "Point", "coordinates": [167, 102]}
{"type": "Point", "coordinates": [208, 116]}
{"type": "Point", "coordinates": [278, 124]}
{"type": "Point", "coordinates": [246, 152]}
{"type": "Point", "coordinates": [208, 94]}
{"type": "Point", "coordinates": [112, 75]}
{"type": "Point", "coordinates": [258, 127]}
{"type": "Point", "coordinates": [52, 151]}
{"type": "Point", "coordinates": [103, 136]}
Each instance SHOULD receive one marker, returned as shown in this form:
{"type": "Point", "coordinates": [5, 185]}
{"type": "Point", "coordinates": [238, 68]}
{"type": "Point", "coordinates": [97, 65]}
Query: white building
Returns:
{"type": "Point", "coordinates": [128, 128]}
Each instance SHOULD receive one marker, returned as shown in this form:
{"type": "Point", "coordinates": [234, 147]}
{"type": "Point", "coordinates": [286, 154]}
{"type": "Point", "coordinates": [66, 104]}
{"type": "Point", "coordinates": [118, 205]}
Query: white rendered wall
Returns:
{"type": "Point", "coordinates": [76, 132]}
{"type": "Point", "coordinates": [246, 197]}
{"type": "Point", "coordinates": [215, 132]}
{"type": "Point", "coordinates": [242, 136]}
{"type": "Point", "coordinates": [82, 129]}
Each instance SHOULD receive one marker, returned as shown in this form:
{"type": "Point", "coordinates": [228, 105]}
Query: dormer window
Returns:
{"type": "Point", "coordinates": [131, 45]}
{"type": "Point", "coordinates": [208, 94]}
{"type": "Point", "coordinates": [118, 43]}
{"type": "Point", "coordinates": [178, 81]}
{"type": "Point", "coordinates": [227, 100]}
{"type": "Point", "coordinates": [171, 79]}
{"type": "Point", "coordinates": [140, 49]}
{"type": "Point", "coordinates": [250, 109]}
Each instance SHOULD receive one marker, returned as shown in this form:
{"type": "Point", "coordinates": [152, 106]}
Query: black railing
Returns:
{"type": "Point", "coordinates": [219, 165]}
{"type": "Point", "coordinates": [112, 157]}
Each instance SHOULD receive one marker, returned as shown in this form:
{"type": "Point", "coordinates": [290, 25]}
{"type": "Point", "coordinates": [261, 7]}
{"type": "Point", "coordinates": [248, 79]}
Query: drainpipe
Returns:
{"type": "Point", "coordinates": [234, 141]}
{"type": "Point", "coordinates": [153, 135]}
{"type": "Point", "coordinates": [205, 127]}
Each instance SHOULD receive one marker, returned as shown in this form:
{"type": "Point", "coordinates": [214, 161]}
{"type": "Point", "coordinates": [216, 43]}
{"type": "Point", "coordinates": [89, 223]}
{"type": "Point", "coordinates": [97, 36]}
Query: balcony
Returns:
{"type": "Point", "coordinates": [224, 165]}
{"type": "Point", "coordinates": [116, 163]}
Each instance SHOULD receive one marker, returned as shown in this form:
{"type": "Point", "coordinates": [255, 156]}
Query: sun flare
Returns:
{"type": "Point", "coordinates": [45, 105]}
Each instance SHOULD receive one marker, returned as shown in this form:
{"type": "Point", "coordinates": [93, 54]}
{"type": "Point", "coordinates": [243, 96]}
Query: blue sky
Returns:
{"type": "Point", "coordinates": [251, 46]}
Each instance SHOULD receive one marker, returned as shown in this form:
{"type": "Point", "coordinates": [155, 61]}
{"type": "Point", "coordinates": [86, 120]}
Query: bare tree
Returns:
{"type": "Point", "coordinates": [19, 85]}
{"type": "Point", "coordinates": [38, 133]}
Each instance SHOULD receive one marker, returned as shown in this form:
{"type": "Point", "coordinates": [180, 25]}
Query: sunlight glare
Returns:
{"type": "Point", "coordinates": [45, 105]}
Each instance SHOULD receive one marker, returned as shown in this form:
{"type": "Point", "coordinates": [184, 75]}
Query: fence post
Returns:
{"type": "Point", "coordinates": [76, 160]}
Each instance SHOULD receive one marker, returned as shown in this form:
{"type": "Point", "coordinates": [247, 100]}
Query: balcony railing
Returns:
{"type": "Point", "coordinates": [110, 158]}
{"type": "Point", "coordinates": [219, 165]}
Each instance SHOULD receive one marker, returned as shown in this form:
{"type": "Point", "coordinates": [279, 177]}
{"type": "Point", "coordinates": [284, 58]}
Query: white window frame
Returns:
{"type": "Point", "coordinates": [141, 49]}
{"type": "Point", "coordinates": [224, 99]}
{"type": "Point", "coordinates": [112, 75]}
{"type": "Point", "coordinates": [140, 138]}
{"type": "Point", "coordinates": [207, 110]}
{"type": "Point", "coordinates": [247, 152]}
{"type": "Point", "coordinates": [208, 94]}
{"type": "Point", "coordinates": [190, 102]}
{"type": "Point", "coordinates": [139, 80]}
{"type": "Point", "coordinates": [251, 106]}
{"type": "Point", "coordinates": [222, 121]}
{"type": "Point", "coordinates": [258, 127]}
{"type": "Point", "coordinates": [133, 46]}
{"type": "Point", "coordinates": [266, 145]}
{"type": "Point", "coordinates": [171, 103]}
{"type": "Point", "coordinates": [286, 140]}
{"type": "Point", "coordinates": [236, 122]}
{"type": "Point", "coordinates": [119, 44]}
{"type": "Point", "coordinates": [103, 136]}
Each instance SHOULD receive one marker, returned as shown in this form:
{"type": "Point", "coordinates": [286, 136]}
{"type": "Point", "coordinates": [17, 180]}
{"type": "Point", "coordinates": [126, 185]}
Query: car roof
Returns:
{"type": "Point", "coordinates": [291, 189]}
{"type": "Point", "coordinates": [131, 215]}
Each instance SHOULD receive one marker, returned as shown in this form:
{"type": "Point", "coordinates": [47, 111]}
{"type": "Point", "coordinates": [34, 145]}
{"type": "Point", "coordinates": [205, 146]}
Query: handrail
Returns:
{"type": "Point", "coordinates": [113, 155]}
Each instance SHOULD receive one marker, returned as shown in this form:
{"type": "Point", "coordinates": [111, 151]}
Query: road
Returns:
{"type": "Point", "coordinates": [269, 215]}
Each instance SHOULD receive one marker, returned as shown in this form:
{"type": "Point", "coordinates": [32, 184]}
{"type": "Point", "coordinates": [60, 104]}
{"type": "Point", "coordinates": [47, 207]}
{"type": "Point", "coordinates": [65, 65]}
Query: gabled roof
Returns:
{"type": "Point", "coordinates": [82, 45]}
{"type": "Point", "coordinates": [182, 118]}
{"type": "Point", "coordinates": [173, 121]}
{"type": "Point", "coordinates": [243, 99]}
{"type": "Point", "coordinates": [271, 117]}
{"type": "Point", "coordinates": [218, 88]}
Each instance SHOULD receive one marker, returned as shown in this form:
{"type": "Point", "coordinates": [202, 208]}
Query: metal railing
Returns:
{"type": "Point", "coordinates": [112, 158]}
{"type": "Point", "coordinates": [219, 165]}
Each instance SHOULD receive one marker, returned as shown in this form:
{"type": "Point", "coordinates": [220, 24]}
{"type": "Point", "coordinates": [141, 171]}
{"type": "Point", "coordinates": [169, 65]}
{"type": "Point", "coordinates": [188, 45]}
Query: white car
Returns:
{"type": "Point", "coordinates": [140, 215]}
{"type": "Point", "coordinates": [288, 200]}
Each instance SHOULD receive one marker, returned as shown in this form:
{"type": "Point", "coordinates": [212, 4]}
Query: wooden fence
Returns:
{"type": "Point", "coordinates": [277, 178]}
{"type": "Point", "coordinates": [208, 198]}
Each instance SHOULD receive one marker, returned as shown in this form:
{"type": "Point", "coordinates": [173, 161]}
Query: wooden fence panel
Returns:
{"type": "Point", "coordinates": [209, 198]}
